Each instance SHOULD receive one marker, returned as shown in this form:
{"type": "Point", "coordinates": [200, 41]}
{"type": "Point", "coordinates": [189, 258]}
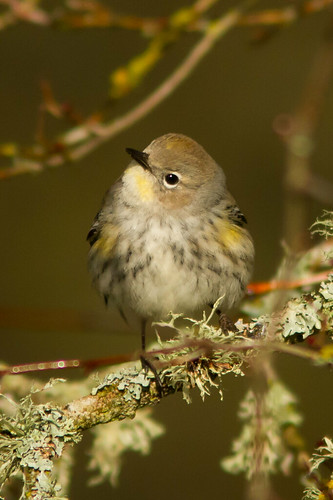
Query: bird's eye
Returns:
{"type": "Point", "coordinates": [171, 180]}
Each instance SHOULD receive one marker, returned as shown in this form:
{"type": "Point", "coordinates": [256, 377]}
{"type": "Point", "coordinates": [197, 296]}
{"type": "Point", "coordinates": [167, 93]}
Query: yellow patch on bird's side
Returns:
{"type": "Point", "coordinates": [106, 242]}
{"type": "Point", "coordinates": [230, 235]}
{"type": "Point", "coordinates": [141, 181]}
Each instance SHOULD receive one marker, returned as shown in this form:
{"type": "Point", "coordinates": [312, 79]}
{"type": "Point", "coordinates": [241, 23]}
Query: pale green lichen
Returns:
{"type": "Point", "coordinates": [111, 441]}
{"type": "Point", "coordinates": [63, 469]}
{"type": "Point", "coordinates": [324, 226]}
{"type": "Point", "coordinates": [295, 268]}
{"type": "Point", "coordinates": [130, 380]}
{"type": "Point", "coordinates": [303, 317]}
{"type": "Point", "coordinates": [326, 292]}
{"type": "Point", "coordinates": [320, 461]}
{"type": "Point", "coordinates": [30, 439]}
{"type": "Point", "coordinates": [261, 447]}
{"type": "Point", "coordinates": [202, 370]}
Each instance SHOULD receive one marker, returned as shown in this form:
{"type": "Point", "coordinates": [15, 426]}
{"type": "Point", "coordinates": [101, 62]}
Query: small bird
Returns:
{"type": "Point", "coordinates": [169, 236]}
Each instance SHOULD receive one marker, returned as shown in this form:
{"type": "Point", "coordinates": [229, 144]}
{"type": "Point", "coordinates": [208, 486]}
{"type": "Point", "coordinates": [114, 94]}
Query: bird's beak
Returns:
{"type": "Point", "coordinates": [140, 157]}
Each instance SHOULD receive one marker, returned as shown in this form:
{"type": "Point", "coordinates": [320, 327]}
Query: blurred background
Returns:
{"type": "Point", "coordinates": [230, 105]}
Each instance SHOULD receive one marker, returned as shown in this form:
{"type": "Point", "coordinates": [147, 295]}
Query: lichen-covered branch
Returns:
{"type": "Point", "coordinates": [37, 429]}
{"type": "Point", "coordinates": [119, 396]}
{"type": "Point", "coordinates": [34, 434]}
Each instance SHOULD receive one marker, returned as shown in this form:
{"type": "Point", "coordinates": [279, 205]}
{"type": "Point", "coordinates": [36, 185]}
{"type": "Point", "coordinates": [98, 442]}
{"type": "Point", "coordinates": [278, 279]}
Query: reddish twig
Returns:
{"type": "Point", "coordinates": [88, 365]}
{"type": "Point", "coordinates": [200, 347]}
{"type": "Point", "coordinates": [269, 286]}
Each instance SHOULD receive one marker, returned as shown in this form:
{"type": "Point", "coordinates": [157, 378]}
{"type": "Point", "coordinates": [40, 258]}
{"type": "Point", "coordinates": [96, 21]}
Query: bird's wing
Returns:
{"type": "Point", "coordinates": [105, 214]}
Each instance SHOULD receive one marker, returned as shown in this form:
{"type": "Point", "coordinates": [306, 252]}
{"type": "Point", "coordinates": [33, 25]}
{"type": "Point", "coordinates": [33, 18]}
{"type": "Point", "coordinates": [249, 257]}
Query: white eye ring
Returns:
{"type": "Point", "coordinates": [171, 180]}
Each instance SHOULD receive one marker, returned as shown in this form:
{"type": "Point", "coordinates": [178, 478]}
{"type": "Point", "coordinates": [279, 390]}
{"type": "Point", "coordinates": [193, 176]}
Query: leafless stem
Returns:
{"type": "Point", "coordinates": [83, 139]}
{"type": "Point", "coordinates": [213, 34]}
{"type": "Point", "coordinates": [298, 132]}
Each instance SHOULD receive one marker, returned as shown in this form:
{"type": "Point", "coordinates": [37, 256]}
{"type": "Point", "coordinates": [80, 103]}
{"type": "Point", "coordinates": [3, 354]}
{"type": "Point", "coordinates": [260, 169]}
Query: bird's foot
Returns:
{"type": "Point", "coordinates": [226, 324]}
{"type": "Point", "coordinates": [148, 365]}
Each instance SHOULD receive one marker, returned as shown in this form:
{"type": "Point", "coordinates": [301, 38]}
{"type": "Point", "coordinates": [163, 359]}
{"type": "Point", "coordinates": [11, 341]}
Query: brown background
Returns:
{"type": "Point", "coordinates": [228, 105]}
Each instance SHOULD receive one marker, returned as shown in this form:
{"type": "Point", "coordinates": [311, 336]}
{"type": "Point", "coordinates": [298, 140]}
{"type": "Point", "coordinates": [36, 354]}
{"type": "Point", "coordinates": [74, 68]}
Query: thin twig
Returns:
{"type": "Point", "coordinates": [269, 286]}
{"type": "Point", "coordinates": [213, 34]}
{"type": "Point", "coordinates": [81, 140]}
{"type": "Point", "coordinates": [90, 136]}
{"type": "Point", "coordinates": [298, 132]}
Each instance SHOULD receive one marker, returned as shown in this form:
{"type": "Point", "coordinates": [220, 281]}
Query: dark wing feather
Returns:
{"type": "Point", "coordinates": [236, 216]}
{"type": "Point", "coordinates": [106, 210]}
{"type": "Point", "coordinates": [95, 230]}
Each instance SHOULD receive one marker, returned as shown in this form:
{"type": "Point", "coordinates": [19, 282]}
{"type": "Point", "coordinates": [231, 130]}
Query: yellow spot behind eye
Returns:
{"type": "Point", "coordinates": [142, 183]}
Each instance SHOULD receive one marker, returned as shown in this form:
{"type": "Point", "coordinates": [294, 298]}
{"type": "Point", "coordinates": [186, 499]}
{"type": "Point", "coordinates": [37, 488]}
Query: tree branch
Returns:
{"type": "Point", "coordinates": [38, 432]}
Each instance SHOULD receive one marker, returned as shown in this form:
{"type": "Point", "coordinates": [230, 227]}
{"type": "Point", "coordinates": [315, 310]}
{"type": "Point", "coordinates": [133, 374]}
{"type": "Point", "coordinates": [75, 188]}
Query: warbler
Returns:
{"type": "Point", "coordinates": [169, 235]}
